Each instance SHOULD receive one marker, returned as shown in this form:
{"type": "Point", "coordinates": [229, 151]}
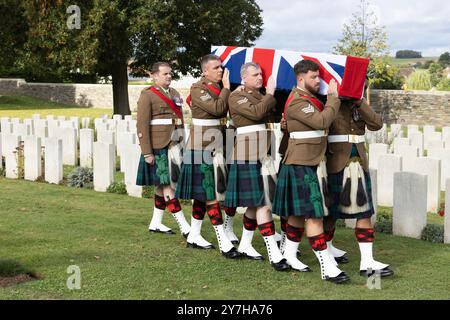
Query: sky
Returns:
{"type": "Point", "coordinates": [316, 25]}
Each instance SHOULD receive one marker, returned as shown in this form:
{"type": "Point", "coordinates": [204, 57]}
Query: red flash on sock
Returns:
{"type": "Point", "coordinates": [364, 235]}
{"type": "Point", "coordinates": [284, 224]}
{"type": "Point", "coordinates": [214, 214]}
{"type": "Point", "coordinates": [294, 233]}
{"type": "Point", "coordinates": [267, 229]}
{"type": "Point", "coordinates": [229, 211]}
{"type": "Point", "coordinates": [250, 224]}
{"type": "Point", "coordinates": [198, 210]}
{"type": "Point", "coordinates": [160, 203]}
{"type": "Point", "coordinates": [329, 235]}
{"type": "Point", "coordinates": [318, 242]}
{"type": "Point", "coordinates": [173, 205]}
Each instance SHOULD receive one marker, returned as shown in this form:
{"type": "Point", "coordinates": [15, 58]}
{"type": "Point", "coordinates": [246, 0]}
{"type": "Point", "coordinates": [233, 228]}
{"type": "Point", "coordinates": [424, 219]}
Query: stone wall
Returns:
{"type": "Point", "coordinates": [412, 107]}
{"type": "Point", "coordinates": [88, 95]}
{"type": "Point", "coordinates": [404, 107]}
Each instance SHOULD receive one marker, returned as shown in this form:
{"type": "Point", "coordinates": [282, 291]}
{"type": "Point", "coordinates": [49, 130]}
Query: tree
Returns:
{"type": "Point", "coordinates": [118, 34]}
{"type": "Point", "coordinates": [436, 73]}
{"type": "Point", "coordinates": [444, 59]}
{"type": "Point", "coordinates": [12, 36]}
{"type": "Point", "coordinates": [408, 54]}
{"type": "Point", "coordinates": [363, 37]}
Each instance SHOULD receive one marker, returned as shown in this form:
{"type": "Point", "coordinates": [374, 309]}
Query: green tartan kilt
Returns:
{"type": "Point", "coordinates": [156, 174]}
{"type": "Point", "coordinates": [297, 192]}
{"type": "Point", "coordinates": [245, 187]}
{"type": "Point", "coordinates": [335, 187]}
{"type": "Point", "coordinates": [197, 176]}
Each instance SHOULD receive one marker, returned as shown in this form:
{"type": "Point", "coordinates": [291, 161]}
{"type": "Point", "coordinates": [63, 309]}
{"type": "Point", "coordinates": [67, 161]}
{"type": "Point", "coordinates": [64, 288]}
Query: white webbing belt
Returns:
{"type": "Point", "coordinates": [206, 122]}
{"type": "Point", "coordinates": [307, 134]}
{"type": "Point", "coordinates": [249, 129]}
{"type": "Point", "coordinates": [161, 121]}
{"type": "Point", "coordinates": [351, 138]}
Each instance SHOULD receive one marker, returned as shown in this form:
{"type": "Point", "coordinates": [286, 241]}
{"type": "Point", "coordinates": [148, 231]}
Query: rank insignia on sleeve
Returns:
{"type": "Point", "coordinates": [308, 109]}
{"type": "Point", "coordinates": [244, 100]}
{"type": "Point", "coordinates": [205, 97]}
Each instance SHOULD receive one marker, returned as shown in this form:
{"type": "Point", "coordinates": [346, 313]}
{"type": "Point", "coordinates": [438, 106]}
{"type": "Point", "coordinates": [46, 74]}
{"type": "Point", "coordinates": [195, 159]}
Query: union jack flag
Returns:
{"type": "Point", "coordinates": [349, 72]}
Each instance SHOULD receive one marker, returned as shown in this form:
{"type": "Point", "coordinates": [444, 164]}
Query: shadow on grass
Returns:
{"type": "Point", "coordinates": [13, 272]}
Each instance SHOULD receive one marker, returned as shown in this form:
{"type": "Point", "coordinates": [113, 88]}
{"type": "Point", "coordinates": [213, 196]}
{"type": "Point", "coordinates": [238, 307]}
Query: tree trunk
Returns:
{"type": "Point", "coordinates": [120, 89]}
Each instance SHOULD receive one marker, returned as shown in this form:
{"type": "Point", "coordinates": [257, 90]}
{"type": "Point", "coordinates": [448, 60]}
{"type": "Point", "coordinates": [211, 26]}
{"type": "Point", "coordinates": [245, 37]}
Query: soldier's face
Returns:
{"type": "Point", "coordinates": [213, 70]}
{"type": "Point", "coordinates": [163, 78]}
{"type": "Point", "coordinates": [253, 78]}
{"type": "Point", "coordinates": [312, 81]}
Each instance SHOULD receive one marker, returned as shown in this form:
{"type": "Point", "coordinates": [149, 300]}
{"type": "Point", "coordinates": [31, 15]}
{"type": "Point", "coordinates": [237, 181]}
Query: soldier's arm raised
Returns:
{"type": "Point", "coordinates": [216, 107]}
{"type": "Point", "coordinates": [372, 119]}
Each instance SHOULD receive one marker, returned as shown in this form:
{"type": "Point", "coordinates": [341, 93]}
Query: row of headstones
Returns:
{"type": "Point", "coordinates": [102, 157]}
{"type": "Point", "coordinates": [409, 212]}
{"type": "Point", "coordinates": [424, 140]}
{"type": "Point", "coordinates": [114, 131]}
{"type": "Point", "coordinates": [406, 155]}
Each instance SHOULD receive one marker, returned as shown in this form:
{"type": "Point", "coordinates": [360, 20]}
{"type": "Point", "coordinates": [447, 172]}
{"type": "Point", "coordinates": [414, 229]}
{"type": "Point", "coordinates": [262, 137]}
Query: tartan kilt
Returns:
{"type": "Point", "coordinates": [245, 186]}
{"type": "Point", "coordinates": [335, 187]}
{"type": "Point", "coordinates": [298, 193]}
{"type": "Point", "coordinates": [150, 175]}
{"type": "Point", "coordinates": [193, 179]}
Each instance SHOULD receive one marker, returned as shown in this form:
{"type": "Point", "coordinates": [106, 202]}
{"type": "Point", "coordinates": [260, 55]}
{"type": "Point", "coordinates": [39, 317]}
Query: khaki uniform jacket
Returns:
{"type": "Point", "coordinates": [339, 152]}
{"type": "Point", "coordinates": [151, 107]}
{"type": "Point", "coordinates": [302, 115]}
{"type": "Point", "coordinates": [205, 104]}
{"type": "Point", "coordinates": [250, 107]}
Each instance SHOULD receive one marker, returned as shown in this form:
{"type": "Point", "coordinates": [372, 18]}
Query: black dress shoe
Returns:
{"type": "Point", "coordinates": [235, 242]}
{"type": "Point", "coordinates": [232, 254]}
{"type": "Point", "coordinates": [196, 246]}
{"type": "Point", "coordinates": [342, 259]}
{"type": "Point", "coordinates": [281, 265]}
{"type": "Point", "coordinates": [159, 231]}
{"type": "Point", "coordinates": [340, 278]}
{"type": "Point", "coordinates": [256, 258]}
{"type": "Point", "coordinates": [185, 235]}
{"type": "Point", "coordinates": [307, 269]}
{"type": "Point", "coordinates": [385, 272]}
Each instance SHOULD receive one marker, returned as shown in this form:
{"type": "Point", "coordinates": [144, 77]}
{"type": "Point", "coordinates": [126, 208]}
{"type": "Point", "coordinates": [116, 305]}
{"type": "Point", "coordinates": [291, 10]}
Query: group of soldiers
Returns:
{"type": "Point", "coordinates": [323, 175]}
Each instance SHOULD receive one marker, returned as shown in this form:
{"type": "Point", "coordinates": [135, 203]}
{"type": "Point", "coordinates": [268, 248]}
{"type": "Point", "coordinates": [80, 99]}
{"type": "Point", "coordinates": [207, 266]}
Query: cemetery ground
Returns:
{"type": "Point", "coordinates": [46, 228]}
{"type": "Point", "coordinates": [24, 107]}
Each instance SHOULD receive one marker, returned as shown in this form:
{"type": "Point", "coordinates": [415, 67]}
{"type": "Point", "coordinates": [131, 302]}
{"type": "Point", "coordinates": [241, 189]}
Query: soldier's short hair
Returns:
{"type": "Point", "coordinates": [304, 66]}
{"type": "Point", "coordinates": [157, 65]}
{"type": "Point", "coordinates": [247, 65]}
{"type": "Point", "coordinates": [205, 59]}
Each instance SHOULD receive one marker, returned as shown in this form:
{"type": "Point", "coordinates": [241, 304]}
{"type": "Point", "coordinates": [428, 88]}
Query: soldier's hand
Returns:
{"type": "Point", "coordinates": [226, 79]}
{"type": "Point", "coordinates": [283, 122]}
{"type": "Point", "coordinates": [332, 88]}
{"type": "Point", "coordinates": [270, 85]}
{"type": "Point", "coordinates": [149, 158]}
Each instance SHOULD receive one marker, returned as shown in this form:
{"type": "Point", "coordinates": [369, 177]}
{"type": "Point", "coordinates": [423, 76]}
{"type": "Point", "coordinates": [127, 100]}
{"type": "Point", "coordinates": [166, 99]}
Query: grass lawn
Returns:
{"type": "Point", "coordinates": [409, 62]}
{"type": "Point", "coordinates": [46, 228]}
{"type": "Point", "coordinates": [24, 107]}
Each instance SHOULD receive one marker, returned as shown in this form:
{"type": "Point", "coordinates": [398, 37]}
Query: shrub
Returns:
{"type": "Point", "coordinates": [419, 80]}
{"type": "Point", "coordinates": [148, 192]}
{"type": "Point", "coordinates": [384, 223]}
{"type": "Point", "coordinates": [117, 187]}
{"type": "Point", "coordinates": [444, 84]}
{"type": "Point", "coordinates": [433, 233]}
{"type": "Point", "coordinates": [81, 178]}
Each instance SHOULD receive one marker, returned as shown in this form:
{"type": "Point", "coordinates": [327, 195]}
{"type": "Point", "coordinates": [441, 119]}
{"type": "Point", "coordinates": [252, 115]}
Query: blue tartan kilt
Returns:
{"type": "Point", "coordinates": [245, 187]}
{"type": "Point", "coordinates": [335, 187]}
{"type": "Point", "coordinates": [197, 176]}
{"type": "Point", "coordinates": [156, 174]}
{"type": "Point", "coordinates": [298, 193]}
